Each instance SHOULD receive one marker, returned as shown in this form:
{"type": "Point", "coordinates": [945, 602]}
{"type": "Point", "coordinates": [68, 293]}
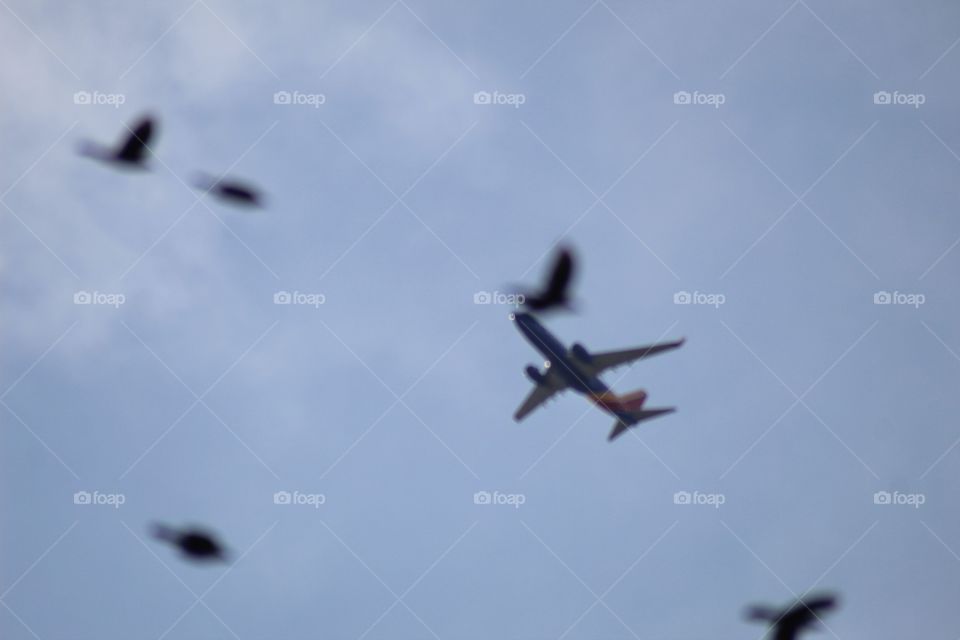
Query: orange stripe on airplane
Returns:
{"type": "Point", "coordinates": [612, 402]}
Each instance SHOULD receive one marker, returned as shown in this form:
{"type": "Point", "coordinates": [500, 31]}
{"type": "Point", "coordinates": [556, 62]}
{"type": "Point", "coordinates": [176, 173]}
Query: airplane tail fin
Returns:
{"type": "Point", "coordinates": [633, 401]}
{"type": "Point", "coordinates": [625, 404]}
{"type": "Point", "coordinates": [634, 417]}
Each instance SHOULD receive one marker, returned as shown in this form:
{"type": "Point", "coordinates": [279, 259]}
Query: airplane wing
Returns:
{"type": "Point", "coordinates": [611, 359]}
{"type": "Point", "coordinates": [540, 394]}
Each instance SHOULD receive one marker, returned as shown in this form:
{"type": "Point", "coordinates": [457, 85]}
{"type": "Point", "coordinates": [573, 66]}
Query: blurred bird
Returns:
{"type": "Point", "coordinates": [231, 191]}
{"type": "Point", "coordinates": [788, 623]}
{"type": "Point", "coordinates": [556, 293]}
{"type": "Point", "coordinates": [195, 544]}
{"type": "Point", "coordinates": [133, 149]}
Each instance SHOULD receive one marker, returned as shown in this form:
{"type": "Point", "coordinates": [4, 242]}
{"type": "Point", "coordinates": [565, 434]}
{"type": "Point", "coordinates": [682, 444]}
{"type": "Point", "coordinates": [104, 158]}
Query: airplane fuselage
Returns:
{"type": "Point", "coordinates": [558, 358]}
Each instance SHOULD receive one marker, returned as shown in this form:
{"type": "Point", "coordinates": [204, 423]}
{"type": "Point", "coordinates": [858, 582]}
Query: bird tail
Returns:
{"type": "Point", "coordinates": [204, 181]}
{"type": "Point", "coordinates": [163, 532]}
{"type": "Point", "coordinates": [90, 149]}
{"type": "Point", "coordinates": [762, 613]}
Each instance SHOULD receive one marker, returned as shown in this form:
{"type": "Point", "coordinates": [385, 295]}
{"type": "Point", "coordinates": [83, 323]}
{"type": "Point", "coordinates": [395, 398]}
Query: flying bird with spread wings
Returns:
{"type": "Point", "coordinates": [194, 544]}
{"type": "Point", "coordinates": [131, 152]}
{"type": "Point", "coordinates": [556, 293]}
{"type": "Point", "coordinates": [788, 623]}
{"type": "Point", "coordinates": [230, 190]}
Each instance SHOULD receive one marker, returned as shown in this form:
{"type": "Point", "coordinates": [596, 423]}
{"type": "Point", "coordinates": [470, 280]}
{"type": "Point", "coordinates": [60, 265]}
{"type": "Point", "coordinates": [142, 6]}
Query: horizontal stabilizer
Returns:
{"type": "Point", "coordinates": [636, 417]}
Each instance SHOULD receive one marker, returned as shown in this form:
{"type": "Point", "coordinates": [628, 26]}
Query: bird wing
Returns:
{"type": "Point", "coordinates": [808, 611]}
{"type": "Point", "coordinates": [240, 192]}
{"type": "Point", "coordinates": [823, 603]}
{"type": "Point", "coordinates": [560, 276]}
{"type": "Point", "coordinates": [135, 146]}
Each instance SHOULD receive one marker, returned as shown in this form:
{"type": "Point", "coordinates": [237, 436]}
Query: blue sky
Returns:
{"type": "Point", "coordinates": [808, 187]}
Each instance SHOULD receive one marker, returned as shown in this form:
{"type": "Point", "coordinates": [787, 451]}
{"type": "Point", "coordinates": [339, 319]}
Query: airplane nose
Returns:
{"type": "Point", "coordinates": [513, 316]}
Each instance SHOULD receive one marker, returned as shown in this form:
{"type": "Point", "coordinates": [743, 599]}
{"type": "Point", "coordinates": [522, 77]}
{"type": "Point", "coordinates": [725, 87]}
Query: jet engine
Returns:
{"type": "Point", "coordinates": [580, 353]}
{"type": "Point", "coordinates": [534, 374]}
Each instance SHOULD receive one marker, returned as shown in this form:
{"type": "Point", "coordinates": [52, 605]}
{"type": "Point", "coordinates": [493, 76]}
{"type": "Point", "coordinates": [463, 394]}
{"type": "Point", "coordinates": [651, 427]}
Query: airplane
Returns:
{"type": "Point", "coordinates": [578, 369]}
